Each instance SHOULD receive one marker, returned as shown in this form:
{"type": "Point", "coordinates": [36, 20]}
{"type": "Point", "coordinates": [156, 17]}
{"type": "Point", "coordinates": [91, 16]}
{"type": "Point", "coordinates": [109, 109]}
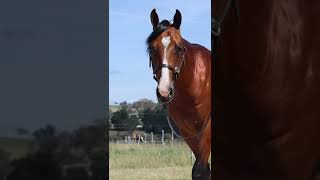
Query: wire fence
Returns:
{"type": "Point", "coordinates": [166, 137]}
{"type": "Point", "coordinates": [145, 138]}
{"type": "Point", "coordinates": [148, 138]}
{"type": "Point", "coordinates": [151, 138]}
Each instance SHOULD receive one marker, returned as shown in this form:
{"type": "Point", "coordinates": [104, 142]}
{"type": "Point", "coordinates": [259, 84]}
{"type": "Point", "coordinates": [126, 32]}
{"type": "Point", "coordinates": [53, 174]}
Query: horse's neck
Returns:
{"type": "Point", "coordinates": [256, 41]}
{"type": "Point", "coordinates": [188, 84]}
{"type": "Point", "coordinates": [186, 78]}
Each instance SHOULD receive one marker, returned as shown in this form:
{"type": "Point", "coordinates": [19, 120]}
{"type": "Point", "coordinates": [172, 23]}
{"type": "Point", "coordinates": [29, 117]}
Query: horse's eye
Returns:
{"type": "Point", "coordinates": [178, 49]}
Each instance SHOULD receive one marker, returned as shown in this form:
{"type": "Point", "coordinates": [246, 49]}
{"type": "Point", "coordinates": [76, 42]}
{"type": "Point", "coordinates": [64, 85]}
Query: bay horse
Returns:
{"type": "Point", "coordinates": [183, 73]}
{"type": "Point", "coordinates": [266, 79]}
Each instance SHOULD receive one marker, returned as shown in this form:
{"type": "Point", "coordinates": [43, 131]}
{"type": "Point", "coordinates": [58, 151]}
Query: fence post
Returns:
{"type": "Point", "coordinates": [162, 138]}
{"type": "Point", "coordinates": [145, 137]}
{"type": "Point", "coordinates": [125, 140]}
{"type": "Point", "coordinates": [191, 156]}
{"type": "Point", "coordinates": [152, 137]}
{"type": "Point", "coordinates": [129, 140]}
{"type": "Point", "coordinates": [133, 140]}
{"type": "Point", "coordinates": [172, 137]}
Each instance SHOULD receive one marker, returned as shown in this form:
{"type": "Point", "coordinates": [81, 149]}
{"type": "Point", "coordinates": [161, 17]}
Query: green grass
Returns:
{"type": "Point", "coordinates": [131, 162]}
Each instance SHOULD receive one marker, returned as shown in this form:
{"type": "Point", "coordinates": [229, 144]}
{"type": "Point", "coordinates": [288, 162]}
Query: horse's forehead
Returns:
{"type": "Point", "coordinates": [174, 35]}
{"type": "Point", "coordinates": [170, 32]}
{"type": "Point", "coordinates": [165, 41]}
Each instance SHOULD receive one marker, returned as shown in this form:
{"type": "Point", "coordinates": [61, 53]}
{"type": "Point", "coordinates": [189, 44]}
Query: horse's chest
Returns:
{"type": "Point", "coordinates": [184, 116]}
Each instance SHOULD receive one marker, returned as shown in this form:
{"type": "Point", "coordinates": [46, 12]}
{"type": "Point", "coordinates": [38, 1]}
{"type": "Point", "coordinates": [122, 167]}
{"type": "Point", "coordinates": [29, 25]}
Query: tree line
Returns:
{"type": "Point", "coordinates": [49, 151]}
{"type": "Point", "coordinates": [150, 115]}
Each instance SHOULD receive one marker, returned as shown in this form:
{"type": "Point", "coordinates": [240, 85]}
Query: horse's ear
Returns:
{"type": "Point", "coordinates": [177, 19]}
{"type": "Point", "coordinates": [154, 18]}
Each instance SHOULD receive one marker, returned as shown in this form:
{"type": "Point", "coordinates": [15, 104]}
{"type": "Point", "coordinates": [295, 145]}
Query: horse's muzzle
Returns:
{"type": "Point", "coordinates": [167, 99]}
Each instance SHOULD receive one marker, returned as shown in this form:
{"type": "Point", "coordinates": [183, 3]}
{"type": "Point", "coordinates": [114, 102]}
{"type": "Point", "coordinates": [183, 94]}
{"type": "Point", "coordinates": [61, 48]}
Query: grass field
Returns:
{"type": "Point", "coordinates": [147, 161]}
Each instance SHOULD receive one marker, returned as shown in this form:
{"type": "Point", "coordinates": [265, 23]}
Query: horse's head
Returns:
{"type": "Point", "coordinates": [166, 54]}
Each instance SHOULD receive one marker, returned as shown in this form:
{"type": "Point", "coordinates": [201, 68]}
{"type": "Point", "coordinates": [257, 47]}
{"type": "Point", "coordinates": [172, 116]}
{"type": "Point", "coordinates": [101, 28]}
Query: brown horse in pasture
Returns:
{"type": "Point", "coordinates": [183, 73]}
{"type": "Point", "coordinates": [266, 98]}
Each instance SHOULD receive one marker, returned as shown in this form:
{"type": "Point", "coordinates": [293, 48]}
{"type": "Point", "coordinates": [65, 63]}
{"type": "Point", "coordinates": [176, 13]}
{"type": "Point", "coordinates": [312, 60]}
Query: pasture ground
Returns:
{"type": "Point", "coordinates": [150, 161]}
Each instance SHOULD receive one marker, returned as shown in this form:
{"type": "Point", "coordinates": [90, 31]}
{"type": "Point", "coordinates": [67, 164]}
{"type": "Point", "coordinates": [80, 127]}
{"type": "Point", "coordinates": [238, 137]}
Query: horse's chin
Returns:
{"type": "Point", "coordinates": [164, 100]}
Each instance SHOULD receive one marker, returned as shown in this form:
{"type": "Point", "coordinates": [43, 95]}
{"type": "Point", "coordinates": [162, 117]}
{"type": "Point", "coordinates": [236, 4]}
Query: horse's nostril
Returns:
{"type": "Point", "coordinates": [171, 90]}
{"type": "Point", "coordinates": [162, 93]}
{"type": "Point", "coordinates": [165, 96]}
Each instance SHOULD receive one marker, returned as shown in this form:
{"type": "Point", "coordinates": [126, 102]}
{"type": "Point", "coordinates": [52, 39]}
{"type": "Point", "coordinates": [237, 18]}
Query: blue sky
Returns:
{"type": "Point", "coordinates": [130, 77]}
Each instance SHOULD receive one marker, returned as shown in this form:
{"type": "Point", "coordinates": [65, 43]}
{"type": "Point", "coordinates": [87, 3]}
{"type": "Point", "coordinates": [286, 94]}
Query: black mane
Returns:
{"type": "Point", "coordinates": [161, 27]}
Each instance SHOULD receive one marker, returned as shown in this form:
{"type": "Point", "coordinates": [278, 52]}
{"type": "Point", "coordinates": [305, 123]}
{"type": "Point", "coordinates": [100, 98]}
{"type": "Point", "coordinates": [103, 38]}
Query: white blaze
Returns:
{"type": "Point", "coordinates": [164, 79]}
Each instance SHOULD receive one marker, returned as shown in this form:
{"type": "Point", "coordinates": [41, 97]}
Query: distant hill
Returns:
{"type": "Point", "coordinates": [114, 108]}
{"type": "Point", "coordinates": [16, 147]}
